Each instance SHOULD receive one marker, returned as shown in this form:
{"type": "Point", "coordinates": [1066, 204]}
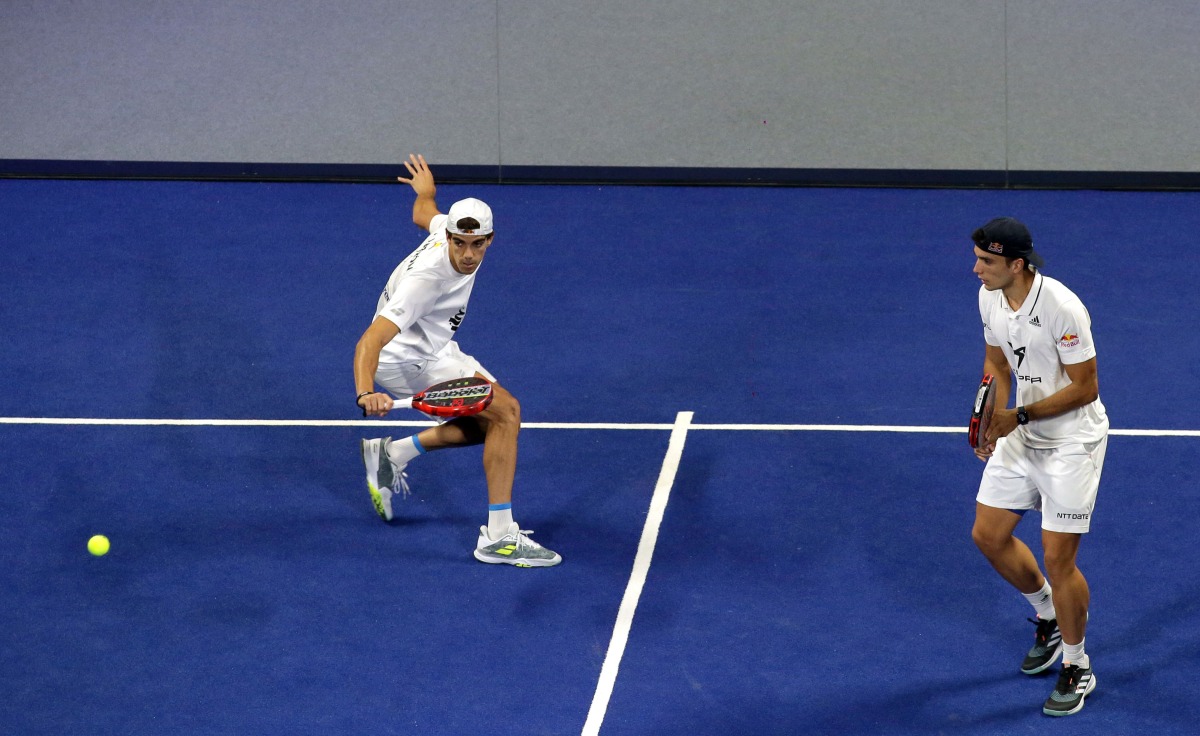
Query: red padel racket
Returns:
{"type": "Point", "coordinates": [981, 415]}
{"type": "Point", "coordinates": [461, 397]}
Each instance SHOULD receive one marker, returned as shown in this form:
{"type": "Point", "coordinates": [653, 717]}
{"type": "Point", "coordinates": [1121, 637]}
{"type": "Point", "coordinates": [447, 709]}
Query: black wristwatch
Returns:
{"type": "Point", "coordinates": [1022, 415]}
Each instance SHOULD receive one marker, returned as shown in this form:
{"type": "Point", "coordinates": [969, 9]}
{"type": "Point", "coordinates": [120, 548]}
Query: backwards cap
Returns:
{"type": "Point", "coordinates": [1008, 237]}
{"type": "Point", "coordinates": [469, 209]}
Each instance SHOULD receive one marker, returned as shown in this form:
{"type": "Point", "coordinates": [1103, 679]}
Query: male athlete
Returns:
{"type": "Point", "coordinates": [1047, 453]}
{"type": "Point", "coordinates": [410, 347]}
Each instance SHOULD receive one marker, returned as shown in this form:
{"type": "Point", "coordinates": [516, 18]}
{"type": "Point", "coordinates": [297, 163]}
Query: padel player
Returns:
{"type": "Point", "coordinates": [410, 346]}
{"type": "Point", "coordinates": [1046, 453]}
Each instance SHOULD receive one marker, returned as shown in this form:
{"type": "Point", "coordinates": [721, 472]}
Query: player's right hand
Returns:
{"type": "Point", "coordinates": [375, 405]}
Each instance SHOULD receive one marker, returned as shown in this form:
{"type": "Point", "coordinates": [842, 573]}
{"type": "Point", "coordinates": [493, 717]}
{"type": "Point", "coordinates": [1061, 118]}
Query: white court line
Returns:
{"type": "Point", "coordinates": [641, 567]}
{"type": "Point", "coordinates": [301, 423]}
{"type": "Point", "coordinates": [84, 421]}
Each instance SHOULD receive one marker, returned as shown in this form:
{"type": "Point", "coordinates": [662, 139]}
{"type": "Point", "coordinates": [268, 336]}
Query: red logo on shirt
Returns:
{"type": "Point", "coordinates": [1068, 340]}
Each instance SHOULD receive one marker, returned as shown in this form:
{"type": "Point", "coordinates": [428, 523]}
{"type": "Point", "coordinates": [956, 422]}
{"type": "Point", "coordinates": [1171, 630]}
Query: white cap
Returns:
{"type": "Point", "coordinates": [474, 209]}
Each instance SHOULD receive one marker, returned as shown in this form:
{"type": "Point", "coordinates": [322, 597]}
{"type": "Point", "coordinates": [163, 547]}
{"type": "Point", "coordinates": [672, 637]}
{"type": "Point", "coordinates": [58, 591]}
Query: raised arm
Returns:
{"type": "Point", "coordinates": [421, 180]}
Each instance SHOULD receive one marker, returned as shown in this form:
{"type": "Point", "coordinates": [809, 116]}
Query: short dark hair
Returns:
{"type": "Point", "coordinates": [467, 223]}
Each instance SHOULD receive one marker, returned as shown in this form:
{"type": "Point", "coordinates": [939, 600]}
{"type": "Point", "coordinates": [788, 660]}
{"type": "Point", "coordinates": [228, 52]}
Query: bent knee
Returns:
{"type": "Point", "coordinates": [992, 531]}
{"type": "Point", "coordinates": [1059, 567]}
{"type": "Point", "coordinates": [505, 407]}
{"type": "Point", "coordinates": [989, 541]}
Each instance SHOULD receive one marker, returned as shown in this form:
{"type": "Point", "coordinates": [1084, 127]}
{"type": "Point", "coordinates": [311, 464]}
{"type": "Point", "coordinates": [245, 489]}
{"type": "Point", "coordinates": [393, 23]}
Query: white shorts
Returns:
{"type": "Point", "coordinates": [402, 380]}
{"type": "Point", "coordinates": [1061, 481]}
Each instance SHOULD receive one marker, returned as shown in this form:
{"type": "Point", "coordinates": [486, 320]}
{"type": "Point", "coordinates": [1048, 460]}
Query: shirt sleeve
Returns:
{"type": "Point", "coordinates": [984, 312]}
{"type": "Point", "coordinates": [413, 299]}
{"type": "Point", "coordinates": [1073, 333]}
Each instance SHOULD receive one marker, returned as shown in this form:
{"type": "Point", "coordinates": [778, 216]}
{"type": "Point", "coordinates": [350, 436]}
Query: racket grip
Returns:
{"type": "Point", "coordinates": [402, 403]}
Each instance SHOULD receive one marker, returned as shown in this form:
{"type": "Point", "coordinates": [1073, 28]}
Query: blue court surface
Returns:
{"type": "Point", "coordinates": [744, 431]}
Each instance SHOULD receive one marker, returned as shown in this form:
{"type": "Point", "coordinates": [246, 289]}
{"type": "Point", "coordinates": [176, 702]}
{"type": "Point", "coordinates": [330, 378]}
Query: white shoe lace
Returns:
{"type": "Point", "coordinates": [523, 538]}
{"type": "Point", "coordinates": [400, 479]}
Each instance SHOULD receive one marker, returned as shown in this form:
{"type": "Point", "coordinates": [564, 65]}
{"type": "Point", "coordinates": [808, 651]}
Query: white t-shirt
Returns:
{"type": "Point", "coordinates": [426, 298]}
{"type": "Point", "coordinates": [1051, 330]}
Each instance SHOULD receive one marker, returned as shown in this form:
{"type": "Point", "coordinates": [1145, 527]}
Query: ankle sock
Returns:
{"type": "Point", "coordinates": [1042, 602]}
{"type": "Point", "coordinates": [401, 451]}
{"type": "Point", "coordinates": [1074, 654]}
{"type": "Point", "coordinates": [499, 519]}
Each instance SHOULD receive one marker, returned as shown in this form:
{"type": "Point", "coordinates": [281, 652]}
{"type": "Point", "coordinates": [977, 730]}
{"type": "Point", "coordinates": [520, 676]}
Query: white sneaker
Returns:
{"type": "Point", "coordinates": [514, 548]}
{"type": "Point", "coordinates": [384, 478]}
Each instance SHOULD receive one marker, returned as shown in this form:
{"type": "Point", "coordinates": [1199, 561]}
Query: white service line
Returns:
{"type": "Point", "coordinates": [96, 421]}
{"type": "Point", "coordinates": [901, 428]}
{"type": "Point", "coordinates": [545, 425]}
{"type": "Point", "coordinates": [637, 579]}
{"type": "Point", "coordinates": [830, 428]}
{"type": "Point", "coordinates": [83, 421]}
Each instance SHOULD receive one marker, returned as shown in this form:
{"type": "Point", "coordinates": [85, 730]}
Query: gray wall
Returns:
{"type": "Point", "coordinates": [1074, 85]}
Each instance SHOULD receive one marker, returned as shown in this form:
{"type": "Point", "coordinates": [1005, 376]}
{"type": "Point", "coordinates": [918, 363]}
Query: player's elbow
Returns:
{"type": "Point", "coordinates": [368, 347]}
{"type": "Point", "coordinates": [1086, 390]}
{"type": "Point", "coordinates": [996, 368]}
{"type": "Point", "coordinates": [1088, 386]}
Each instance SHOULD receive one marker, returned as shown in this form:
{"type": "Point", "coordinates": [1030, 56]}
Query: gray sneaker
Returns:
{"type": "Point", "coordinates": [514, 548]}
{"type": "Point", "coordinates": [384, 478]}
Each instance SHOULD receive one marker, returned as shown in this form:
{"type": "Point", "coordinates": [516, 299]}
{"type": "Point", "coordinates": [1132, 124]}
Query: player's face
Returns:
{"type": "Point", "coordinates": [993, 270]}
{"type": "Point", "coordinates": [466, 251]}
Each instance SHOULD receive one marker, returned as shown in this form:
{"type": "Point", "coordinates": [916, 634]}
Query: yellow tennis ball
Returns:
{"type": "Point", "coordinates": [98, 545]}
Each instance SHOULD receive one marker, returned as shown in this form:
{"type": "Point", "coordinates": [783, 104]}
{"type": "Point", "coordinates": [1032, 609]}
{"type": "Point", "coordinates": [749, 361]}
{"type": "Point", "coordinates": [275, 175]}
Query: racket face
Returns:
{"type": "Point", "coordinates": [460, 397]}
{"type": "Point", "coordinates": [981, 414]}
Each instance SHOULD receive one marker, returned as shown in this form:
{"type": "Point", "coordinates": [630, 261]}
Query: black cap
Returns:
{"type": "Point", "coordinates": [1008, 237]}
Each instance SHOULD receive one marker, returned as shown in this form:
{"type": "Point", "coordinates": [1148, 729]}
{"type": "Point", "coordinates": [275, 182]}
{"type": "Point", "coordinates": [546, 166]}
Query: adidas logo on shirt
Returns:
{"type": "Point", "coordinates": [1035, 322]}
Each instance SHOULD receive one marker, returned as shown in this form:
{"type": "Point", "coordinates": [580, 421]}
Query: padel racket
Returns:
{"type": "Point", "coordinates": [460, 397]}
{"type": "Point", "coordinates": [981, 415]}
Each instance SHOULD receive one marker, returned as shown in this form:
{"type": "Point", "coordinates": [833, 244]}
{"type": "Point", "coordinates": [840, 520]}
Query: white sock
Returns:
{"type": "Point", "coordinates": [401, 451]}
{"type": "Point", "coordinates": [499, 519]}
{"type": "Point", "coordinates": [1042, 602]}
{"type": "Point", "coordinates": [1074, 654]}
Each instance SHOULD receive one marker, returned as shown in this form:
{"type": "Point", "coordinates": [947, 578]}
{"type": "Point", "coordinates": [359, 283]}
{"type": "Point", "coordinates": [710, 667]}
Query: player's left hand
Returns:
{"type": "Point", "coordinates": [420, 177]}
